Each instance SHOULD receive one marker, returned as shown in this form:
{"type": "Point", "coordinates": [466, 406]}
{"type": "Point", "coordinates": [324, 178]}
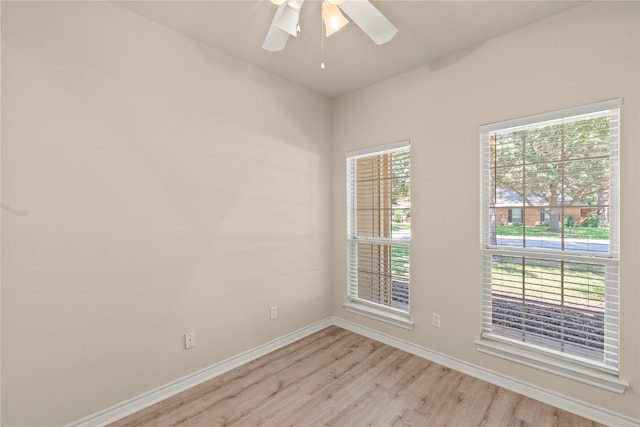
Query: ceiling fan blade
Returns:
{"type": "Point", "coordinates": [289, 17]}
{"type": "Point", "coordinates": [276, 38]}
{"type": "Point", "coordinates": [285, 23]}
{"type": "Point", "coordinates": [370, 20]}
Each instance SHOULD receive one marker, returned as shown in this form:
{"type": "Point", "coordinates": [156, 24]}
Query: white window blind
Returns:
{"type": "Point", "coordinates": [379, 229]}
{"type": "Point", "coordinates": [550, 280]}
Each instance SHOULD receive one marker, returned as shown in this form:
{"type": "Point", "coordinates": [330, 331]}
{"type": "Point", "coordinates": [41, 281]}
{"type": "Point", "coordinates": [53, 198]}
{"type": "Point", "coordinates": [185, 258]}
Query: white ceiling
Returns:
{"type": "Point", "coordinates": [428, 32]}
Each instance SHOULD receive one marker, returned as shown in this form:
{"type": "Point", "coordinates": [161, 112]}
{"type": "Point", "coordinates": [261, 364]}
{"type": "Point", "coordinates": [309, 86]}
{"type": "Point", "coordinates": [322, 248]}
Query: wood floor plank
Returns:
{"type": "Point", "coordinates": [410, 418]}
{"type": "Point", "coordinates": [257, 388]}
{"type": "Point", "coordinates": [346, 386]}
{"type": "Point", "coordinates": [338, 378]}
{"type": "Point", "coordinates": [365, 410]}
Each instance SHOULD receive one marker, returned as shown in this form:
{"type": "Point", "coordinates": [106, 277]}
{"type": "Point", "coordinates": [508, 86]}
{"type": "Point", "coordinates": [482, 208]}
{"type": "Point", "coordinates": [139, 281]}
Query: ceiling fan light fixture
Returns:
{"type": "Point", "coordinates": [277, 2]}
{"type": "Point", "coordinates": [336, 2]}
{"type": "Point", "coordinates": [333, 19]}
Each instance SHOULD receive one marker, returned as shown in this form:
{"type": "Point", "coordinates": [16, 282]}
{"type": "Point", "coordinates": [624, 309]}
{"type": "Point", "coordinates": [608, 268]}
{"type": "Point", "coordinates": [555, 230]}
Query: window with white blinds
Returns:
{"type": "Point", "coordinates": [379, 232]}
{"type": "Point", "coordinates": [550, 272]}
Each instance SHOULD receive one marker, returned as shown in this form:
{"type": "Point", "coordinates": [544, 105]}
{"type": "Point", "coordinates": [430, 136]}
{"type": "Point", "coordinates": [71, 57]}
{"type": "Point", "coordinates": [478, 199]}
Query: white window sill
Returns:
{"type": "Point", "coordinates": [389, 316]}
{"type": "Point", "coordinates": [556, 365]}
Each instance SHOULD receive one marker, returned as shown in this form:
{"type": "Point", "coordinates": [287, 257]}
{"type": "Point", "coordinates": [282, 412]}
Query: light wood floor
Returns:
{"type": "Point", "coordinates": [338, 378]}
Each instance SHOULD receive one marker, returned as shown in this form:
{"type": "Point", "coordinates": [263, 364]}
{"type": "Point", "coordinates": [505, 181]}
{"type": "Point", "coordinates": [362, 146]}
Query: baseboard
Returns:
{"type": "Point", "coordinates": [560, 401]}
{"type": "Point", "coordinates": [145, 400]}
{"type": "Point", "coordinates": [566, 403]}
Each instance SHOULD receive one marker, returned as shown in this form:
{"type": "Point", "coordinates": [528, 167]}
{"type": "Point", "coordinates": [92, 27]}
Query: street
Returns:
{"type": "Point", "coordinates": [581, 245]}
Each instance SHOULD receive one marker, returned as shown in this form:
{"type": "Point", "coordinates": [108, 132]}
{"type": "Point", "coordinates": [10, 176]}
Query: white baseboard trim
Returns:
{"type": "Point", "coordinates": [121, 410]}
{"type": "Point", "coordinates": [145, 400]}
{"type": "Point", "coordinates": [563, 402]}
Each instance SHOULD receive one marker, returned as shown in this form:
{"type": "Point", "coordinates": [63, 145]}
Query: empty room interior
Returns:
{"type": "Point", "coordinates": [190, 187]}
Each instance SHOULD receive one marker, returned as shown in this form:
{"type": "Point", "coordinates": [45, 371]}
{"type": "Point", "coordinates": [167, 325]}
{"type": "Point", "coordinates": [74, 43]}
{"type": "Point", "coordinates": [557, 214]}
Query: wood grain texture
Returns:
{"type": "Point", "coordinates": [338, 378]}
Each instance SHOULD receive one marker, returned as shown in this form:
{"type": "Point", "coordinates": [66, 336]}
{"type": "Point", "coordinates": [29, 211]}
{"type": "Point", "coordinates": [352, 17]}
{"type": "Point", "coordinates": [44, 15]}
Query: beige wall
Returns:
{"type": "Point", "coordinates": [153, 186]}
{"type": "Point", "coordinates": [587, 54]}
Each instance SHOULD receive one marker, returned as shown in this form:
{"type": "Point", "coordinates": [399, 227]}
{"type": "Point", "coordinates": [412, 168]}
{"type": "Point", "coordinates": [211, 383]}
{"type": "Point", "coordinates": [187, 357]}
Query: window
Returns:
{"type": "Point", "coordinates": [379, 233]}
{"type": "Point", "coordinates": [515, 216]}
{"type": "Point", "coordinates": [550, 280]}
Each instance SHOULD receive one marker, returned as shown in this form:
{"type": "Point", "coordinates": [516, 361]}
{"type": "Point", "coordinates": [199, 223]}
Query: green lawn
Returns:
{"type": "Point", "coordinates": [400, 261]}
{"type": "Point", "coordinates": [574, 283]}
{"type": "Point", "coordinates": [400, 226]}
{"type": "Point", "coordinates": [591, 233]}
{"type": "Point", "coordinates": [400, 254]}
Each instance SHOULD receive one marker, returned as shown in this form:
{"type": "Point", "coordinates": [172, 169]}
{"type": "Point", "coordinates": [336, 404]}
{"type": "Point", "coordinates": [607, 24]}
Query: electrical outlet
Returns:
{"type": "Point", "coordinates": [435, 320]}
{"type": "Point", "coordinates": [189, 339]}
{"type": "Point", "coordinates": [274, 312]}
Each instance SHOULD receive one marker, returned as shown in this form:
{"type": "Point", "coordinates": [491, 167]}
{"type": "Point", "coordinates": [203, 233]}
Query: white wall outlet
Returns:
{"type": "Point", "coordinates": [435, 320]}
{"type": "Point", "coordinates": [273, 313]}
{"type": "Point", "coordinates": [189, 339]}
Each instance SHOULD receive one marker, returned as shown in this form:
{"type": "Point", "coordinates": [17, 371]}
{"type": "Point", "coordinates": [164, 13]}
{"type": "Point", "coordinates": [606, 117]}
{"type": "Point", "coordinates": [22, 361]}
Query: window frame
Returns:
{"type": "Point", "coordinates": [391, 315]}
{"type": "Point", "coordinates": [567, 365]}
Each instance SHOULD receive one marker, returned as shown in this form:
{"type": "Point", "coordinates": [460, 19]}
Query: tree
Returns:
{"type": "Point", "coordinates": [556, 165]}
{"type": "Point", "coordinates": [401, 181]}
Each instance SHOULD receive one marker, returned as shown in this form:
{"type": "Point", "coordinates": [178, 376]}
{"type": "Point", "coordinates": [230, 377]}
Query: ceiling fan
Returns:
{"type": "Point", "coordinates": [362, 12]}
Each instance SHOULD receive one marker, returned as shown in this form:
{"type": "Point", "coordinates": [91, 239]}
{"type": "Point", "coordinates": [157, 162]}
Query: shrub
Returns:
{"type": "Point", "coordinates": [592, 220]}
{"type": "Point", "coordinates": [569, 221]}
{"type": "Point", "coordinates": [399, 215]}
